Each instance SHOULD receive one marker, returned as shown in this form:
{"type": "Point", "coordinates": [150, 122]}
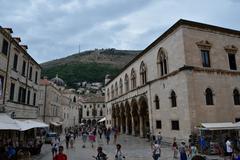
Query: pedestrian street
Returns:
{"type": "Point", "coordinates": [134, 148]}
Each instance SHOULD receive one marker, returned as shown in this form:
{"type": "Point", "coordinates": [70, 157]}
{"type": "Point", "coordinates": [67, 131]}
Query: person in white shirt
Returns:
{"type": "Point", "coordinates": [156, 151]}
{"type": "Point", "coordinates": [119, 155]}
{"type": "Point", "coordinates": [229, 148]}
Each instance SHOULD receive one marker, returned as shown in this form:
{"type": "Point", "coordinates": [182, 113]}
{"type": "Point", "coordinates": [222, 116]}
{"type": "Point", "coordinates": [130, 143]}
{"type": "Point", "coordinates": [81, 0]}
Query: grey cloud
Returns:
{"type": "Point", "coordinates": [54, 28]}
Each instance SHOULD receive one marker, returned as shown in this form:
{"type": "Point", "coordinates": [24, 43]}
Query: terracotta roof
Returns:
{"type": "Point", "coordinates": [179, 23]}
{"type": "Point", "coordinates": [44, 82]}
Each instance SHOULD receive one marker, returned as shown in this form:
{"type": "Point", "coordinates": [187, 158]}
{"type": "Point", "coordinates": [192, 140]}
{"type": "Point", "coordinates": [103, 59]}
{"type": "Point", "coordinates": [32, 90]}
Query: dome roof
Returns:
{"type": "Point", "coordinates": [58, 81]}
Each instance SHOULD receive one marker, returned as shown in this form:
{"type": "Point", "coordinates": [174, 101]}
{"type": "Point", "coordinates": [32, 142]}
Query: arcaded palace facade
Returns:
{"type": "Point", "coordinates": [93, 108]}
{"type": "Point", "coordinates": [187, 76]}
{"type": "Point", "coordinates": [19, 78]}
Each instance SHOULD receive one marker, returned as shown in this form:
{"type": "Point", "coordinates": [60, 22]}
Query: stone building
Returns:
{"type": "Point", "coordinates": [19, 76]}
{"type": "Point", "coordinates": [93, 108]}
{"type": "Point", "coordinates": [187, 76]}
{"type": "Point", "coordinates": [57, 105]}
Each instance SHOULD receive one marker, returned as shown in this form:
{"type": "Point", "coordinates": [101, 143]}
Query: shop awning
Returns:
{"type": "Point", "coordinates": [29, 124]}
{"type": "Point", "coordinates": [56, 123]}
{"type": "Point", "coordinates": [220, 126]}
{"type": "Point", "coordinates": [7, 123]}
{"type": "Point", "coordinates": [103, 119]}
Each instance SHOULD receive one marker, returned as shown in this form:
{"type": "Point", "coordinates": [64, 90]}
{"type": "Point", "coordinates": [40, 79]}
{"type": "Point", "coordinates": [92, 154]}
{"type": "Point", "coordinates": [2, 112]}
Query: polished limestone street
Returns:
{"type": "Point", "coordinates": [134, 148]}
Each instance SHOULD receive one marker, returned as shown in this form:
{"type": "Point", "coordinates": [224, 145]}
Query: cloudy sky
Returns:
{"type": "Point", "coordinates": [55, 28]}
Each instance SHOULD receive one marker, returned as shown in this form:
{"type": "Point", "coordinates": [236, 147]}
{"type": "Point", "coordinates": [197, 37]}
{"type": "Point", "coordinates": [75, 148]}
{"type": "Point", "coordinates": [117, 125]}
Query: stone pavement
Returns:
{"type": "Point", "coordinates": [134, 148]}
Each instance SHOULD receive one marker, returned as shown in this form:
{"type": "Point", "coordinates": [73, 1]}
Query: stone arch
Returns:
{"type": "Point", "coordinates": [118, 118]}
{"type": "Point", "coordinates": [123, 118]}
{"type": "Point", "coordinates": [144, 116]}
{"type": "Point", "coordinates": [135, 117]}
{"type": "Point", "coordinates": [113, 116]}
{"type": "Point", "coordinates": [128, 118]}
{"type": "Point", "coordinates": [89, 122]}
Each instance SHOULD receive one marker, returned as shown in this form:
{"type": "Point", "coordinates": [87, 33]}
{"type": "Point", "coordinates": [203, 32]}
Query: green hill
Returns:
{"type": "Point", "coordinates": [91, 66]}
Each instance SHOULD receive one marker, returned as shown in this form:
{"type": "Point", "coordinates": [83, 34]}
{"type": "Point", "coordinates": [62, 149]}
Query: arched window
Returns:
{"type": "Point", "coordinates": [173, 98]}
{"type": "Point", "coordinates": [133, 79]}
{"type": "Point", "coordinates": [112, 91]}
{"type": "Point", "coordinates": [236, 97]}
{"type": "Point", "coordinates": [87, 113]}
{"type": "Point", "coordinates": [121, 86]}
{"type": "Point", "coordinates": [143, 73]}
{"type": "Point", "coordinates": [157, 102]}
{"type": "Point", "coordinates": [108, 94]}
{"type": "Point", "coordinates": [116, 89]}
{"type": "Point", "coordinates": [162, 62]}
{"type": "Point", "coordinates": [101, 112]}
{"type": "Point", "coordinates": [209, 96]}
{"type": "Point", "coordinates": [126, 81]}
{"type": "Point", "coordinates": [74, 99]}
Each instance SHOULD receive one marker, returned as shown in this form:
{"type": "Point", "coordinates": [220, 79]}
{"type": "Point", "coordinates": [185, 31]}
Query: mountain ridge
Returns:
{"type": "Point", "coordinates": [90, 65]}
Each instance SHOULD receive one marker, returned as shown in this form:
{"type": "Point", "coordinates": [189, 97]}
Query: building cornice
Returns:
{"type": "Point", "coordinates": [174, 27]}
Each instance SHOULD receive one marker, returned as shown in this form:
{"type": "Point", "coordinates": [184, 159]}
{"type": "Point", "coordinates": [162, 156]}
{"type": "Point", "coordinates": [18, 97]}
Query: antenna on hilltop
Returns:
{"type": "Point", "coordinates": [79, 48]}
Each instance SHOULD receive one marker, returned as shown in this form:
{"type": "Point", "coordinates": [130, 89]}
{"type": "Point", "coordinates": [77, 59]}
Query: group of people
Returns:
{"type": "Point", "coordinates": [184, 152]}
{"type": "Point", "coordinates": [10, 149]}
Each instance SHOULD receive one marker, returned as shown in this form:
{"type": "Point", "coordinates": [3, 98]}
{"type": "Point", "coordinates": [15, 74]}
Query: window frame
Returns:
{"type": "Point", "coordinates": [172, 125]}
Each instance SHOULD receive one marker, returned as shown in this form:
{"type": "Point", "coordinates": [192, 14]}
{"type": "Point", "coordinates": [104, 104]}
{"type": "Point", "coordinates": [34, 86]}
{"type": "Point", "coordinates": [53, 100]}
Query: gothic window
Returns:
{"type": "Point", "coordinates": [173, 98]}
{"type": "Point", "coordinates": [143, 73]}
{"type": "Point", "coordinates": [101, 112]}
{"type": "Point", "coordinates": [87, 112]}
{"type": "Point", "coordinates": [236, 97]}
{"type": "Point", "coordinates": [133, 79]}
{"type": "Point", "coordinates": [74, 99]}
{"type": "Point", "coordinates": [116, 89]}
{"type": "Point", "coordinates": [205, 58]}
{"type": "Point", "coordinates": [108, 94]}
{"type": "Point", "coordinates": [157, 102]}
{"type": "Point", "coordinates": [112, 91]}
{"type": "Point", "coordinates": [162, 62]}
{"type": "Point", "coordinates": [126, 81]}
{"type": "Point", "coordinates": [209, 96]}
{"type": "Point", "coordinates": [232, 61]}
{"type": "Point", "coordinates": [121, 86]}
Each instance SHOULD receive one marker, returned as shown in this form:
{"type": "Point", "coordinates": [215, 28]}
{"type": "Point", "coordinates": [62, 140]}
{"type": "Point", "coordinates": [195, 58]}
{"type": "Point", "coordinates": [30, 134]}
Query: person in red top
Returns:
{"type": "Point", "coordinates": [60, 155]}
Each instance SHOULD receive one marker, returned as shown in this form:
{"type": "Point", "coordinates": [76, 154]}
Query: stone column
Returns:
{"type": "Point", "coordinates": [133, 128]}
{"type": "Point", "coordinates": [126, 125]}
{"type": "Point", "coordinates": [116, 123]}
{"type": "Point", "coordinates": [121, 127]}
{"type": "Point", "coordinates": [141, 126]}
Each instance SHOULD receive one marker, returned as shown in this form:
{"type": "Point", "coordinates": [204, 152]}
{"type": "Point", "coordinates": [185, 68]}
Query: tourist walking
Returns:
{"type": "Point", "coordinates": [92, 138]}
{"type": "Point", "coordinates": [60, 155]}
{"type": "Point", "coordinates": [192, 151]}
{"type": "Point", "coordinates": [84, 138]}
{"type": "Point", "coordinates": [119, 155]}
{"type": "Point", "coordinates": [55, 144]}
{"type": "Point", "coordinates": [229, 148]}
{"type": "Point", "coordinates": [108, 133]}
{"type": "Point", "coordinates": [159, 138]}
{"type": "Point", "coordinates": [156, 151]}
{"type": "Point", "coordinates": [175, 148]}
{"type": "Point", "coordinates": [67, 139]}
{"type": "Point", "coordinates": [71, 139]}
{"type": "Point", "coordinates": [182, 150]}
{"type": "Point", "coordinates": [115, 135]}
{"type": "Point", "coordinates": [100, 154]}
{"type": "Point", "coordinates": [100, 132]}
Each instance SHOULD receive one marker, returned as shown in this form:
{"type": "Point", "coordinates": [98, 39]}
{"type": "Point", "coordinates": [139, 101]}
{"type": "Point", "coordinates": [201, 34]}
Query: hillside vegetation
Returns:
{"type": "Point", "coordinates": [91, 66]}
